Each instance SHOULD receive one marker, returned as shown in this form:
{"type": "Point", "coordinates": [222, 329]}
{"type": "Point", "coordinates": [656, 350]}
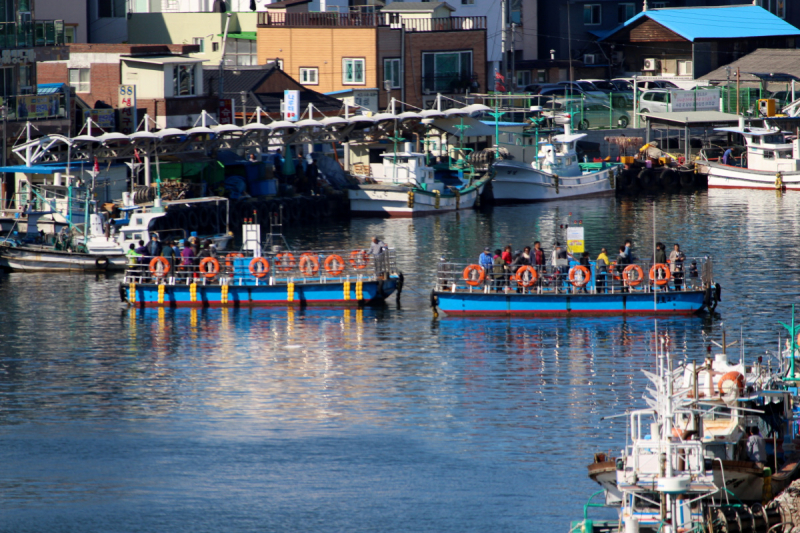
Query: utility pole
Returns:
{"type": "Point", "coordinates": [513, 82]}
{"type": "Point", "coordinates": [569, 38]}
{"type": "Point", "coordinates": [222, 59]}
{"type": "Point", "coordinates": [503, 25]}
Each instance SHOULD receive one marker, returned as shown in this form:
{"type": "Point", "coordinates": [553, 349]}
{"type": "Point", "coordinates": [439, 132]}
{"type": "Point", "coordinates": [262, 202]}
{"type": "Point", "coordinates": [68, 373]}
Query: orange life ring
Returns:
{"type": "Point", "coordinates": [309, 264]}
{"type": "Point", "coordinates": [613, 269]}
{"type": "Point", "coordinates": [520, 276]}
{"type": "Point", "coordinates": [264, 267]}
{"type": "Point", "coordinates": [154, 268]}
{"type": "Point", "coordinates": [731, 376]}
{"type": "Point", "coordinates": [587, 275]}
{"type": "Point", "coordinates": [359, 259]}
{"type": "Point", "coordinates": [334, 265]}
{"type": "Point", "coordinates": [627, 277]}
{"type": "Point", "coordinates": [661, 281]}
{"type": "Point", "coordinates": [285, 262]}
{"type": "Point", "coordinates": [470, 279]}
{"type": "Point", "coordinates": [214, 267]}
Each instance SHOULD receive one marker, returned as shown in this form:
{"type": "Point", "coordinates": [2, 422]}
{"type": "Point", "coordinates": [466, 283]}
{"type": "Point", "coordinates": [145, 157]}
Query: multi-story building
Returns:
{"type": "Point", "coordinates": [168, 82]}
{"type": "Point", "coordinates": [410, 54]}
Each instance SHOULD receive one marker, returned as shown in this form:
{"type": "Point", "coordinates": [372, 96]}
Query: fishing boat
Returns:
{"type": "Point", "coordinates": [769, 162]}
{"type": "Point", "coordinates": [682, 468]}
{"type": "Point", "coordinates": [278, 278]}
{"type": "Point", "coordinates": [103, 249]}
{"type": "Point", "coordinates": [554, 174]}
{"type": "Point", "coordinates": [463, 289]}
{"type": "Point", "coordinates": [404, 186]}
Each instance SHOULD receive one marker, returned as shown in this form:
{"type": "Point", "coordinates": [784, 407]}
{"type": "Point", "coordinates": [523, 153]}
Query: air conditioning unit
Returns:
{"type": "Point", "coordinates": [650, 63]}
{"type": "Point", "coordinates": [617, 57]}
{"type": "Point", "coordinates": [589, 59]}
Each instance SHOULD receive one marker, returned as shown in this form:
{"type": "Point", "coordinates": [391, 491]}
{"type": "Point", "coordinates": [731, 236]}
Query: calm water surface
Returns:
{"type": "Point", "coordinates": [121, 420]}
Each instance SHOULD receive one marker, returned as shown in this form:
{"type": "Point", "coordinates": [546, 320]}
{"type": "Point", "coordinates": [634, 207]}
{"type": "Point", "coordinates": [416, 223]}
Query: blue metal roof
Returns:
{"type": "Point", "coordinates": [49, 88]}
{"type": "Point", "coordinates": [728, 22]}
{"type": "Point", "coordinates": [52, 168]}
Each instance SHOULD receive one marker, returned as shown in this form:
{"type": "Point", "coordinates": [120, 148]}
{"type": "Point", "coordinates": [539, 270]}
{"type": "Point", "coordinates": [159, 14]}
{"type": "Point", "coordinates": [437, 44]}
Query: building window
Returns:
{"type": "Point", "coordinates": [467, 2]}
{"type": "Point", "coordinates": [214, 47]}
{"type": "Point", "coordinates": [110, 8]}
{"type": "Point", "coordinates": [183, 82]}
{"type": "Point", "coordinates": [523, 78]}
{"type": "Point", "coordinates": [591, 14]}
{"type": "Point", "coordinates": [241, 52]}
{"type": "Point", "coordinates": [660, 5]}
{"type": "Point", "coordinates": [79, 78]}
{"type": "Point", "coordinates": [309, 76]}
{"type": "Point", "coordinates": [515, 11]}
{"type": "Point", "coordinates": [776, 7]}
{"type": "Point", "coordinates": [69, 34]}
{"type": "Point", "coordinates": [446, 72]}
{"type": "Point", "coordinates": [201, 42]}
{"type": "Point", "coordinates": [353, 71]}
{"type": "Point", "coordinates": [625, 12]}
{"type": "Point", "coordinates": [391, 73]}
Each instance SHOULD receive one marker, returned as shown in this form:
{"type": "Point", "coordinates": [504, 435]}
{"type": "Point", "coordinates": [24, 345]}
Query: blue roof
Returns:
{"type": "Point", "coordinates": [49, 88]}
{"type": "Point", "coordinates": [729, 22]}
{"type": "Point", "coordinates": [52, 168]}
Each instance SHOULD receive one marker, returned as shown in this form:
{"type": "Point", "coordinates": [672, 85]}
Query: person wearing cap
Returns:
{"type": "Point", "coordinates": [486, 260]}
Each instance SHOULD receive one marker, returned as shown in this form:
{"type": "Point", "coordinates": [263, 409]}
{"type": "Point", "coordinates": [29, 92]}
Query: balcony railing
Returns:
{"type": "Point", "coordinates": [370, 20]}
{"type": "Point", "coordinates": [30, 34]}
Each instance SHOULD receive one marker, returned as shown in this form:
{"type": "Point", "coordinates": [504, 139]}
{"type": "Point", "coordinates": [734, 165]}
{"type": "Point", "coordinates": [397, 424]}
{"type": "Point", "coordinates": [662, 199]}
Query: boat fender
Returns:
{"type": "Point", "coordinates": [612, 175]}
{"type": "Point", "coordinates": [556, 180]}
{"type": "Point", "coordinates": [122, 295]}
{"type": "Point", "coordinates": [434, 304]}
{"type": "Point", "coordinates": [101, 263]}
{"type": "Point", "coordinates": [401, 279]}
{"type": "Point", "coordinates": [717, 292]}
{"type": "Point", "coordinates": [707, 298]}
{"type": "Point", "coordinates": [778, 182]}
{"type": "Point", "coordinates": [380, 294]}
{"type": "Point", "coordinates": [410, 199]}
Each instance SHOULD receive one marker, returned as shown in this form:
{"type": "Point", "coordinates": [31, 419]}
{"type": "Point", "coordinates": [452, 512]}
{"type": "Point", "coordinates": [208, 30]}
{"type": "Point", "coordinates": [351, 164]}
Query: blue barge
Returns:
{"type": "Point", "coordinates": [283, 279]}
{"type": "Point", "coordinates": [572, 289]}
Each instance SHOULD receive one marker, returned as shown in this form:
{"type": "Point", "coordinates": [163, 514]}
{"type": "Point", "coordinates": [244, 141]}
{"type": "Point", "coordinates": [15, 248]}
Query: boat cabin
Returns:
{"type": "Point", "coordinates": [768, 150]}
{"type": "Point", "coordinates": [408, 167]}
{"type": "Point", "coordinates": [559, 155]}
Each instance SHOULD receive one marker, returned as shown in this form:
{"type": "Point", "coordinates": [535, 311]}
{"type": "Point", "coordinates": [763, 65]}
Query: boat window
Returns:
{"type": "Point", "coordinates": [769, 154]}
{"type": "Point", "coordinates": [785, 154]}
{"type": "Point", "coordinates": [772, 139]}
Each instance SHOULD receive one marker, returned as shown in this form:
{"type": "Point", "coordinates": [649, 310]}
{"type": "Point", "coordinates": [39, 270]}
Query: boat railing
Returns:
{"type": "Point", "coordinates": [244, 268]}
{"type": "Point", "coordinates": [572, 278]}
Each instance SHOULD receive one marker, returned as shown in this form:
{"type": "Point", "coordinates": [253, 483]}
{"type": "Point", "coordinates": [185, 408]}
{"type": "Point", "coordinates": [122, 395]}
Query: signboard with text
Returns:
{"type": "Point", "coordinates": [105, 118]}
{"type": "Point", "coordinates": [127, 109]}
{"type": "Point", "coordinates": [575, 241]}
{"type": "Point", "coordinates": [699, 100]}
{"type": "Point", "coordinates": [291, 105]}
{"type": "Point", "coordinates": [40, 106]}
{"type": "Point", "coordinates": [226, 110]}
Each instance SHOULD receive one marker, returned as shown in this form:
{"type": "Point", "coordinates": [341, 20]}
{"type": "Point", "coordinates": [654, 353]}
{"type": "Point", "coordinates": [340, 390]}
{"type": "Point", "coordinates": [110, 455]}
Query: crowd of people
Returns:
{"type": "Point", "coordinates": [183, 256]}
{"type": "Point", "coordinates": [554, 267]}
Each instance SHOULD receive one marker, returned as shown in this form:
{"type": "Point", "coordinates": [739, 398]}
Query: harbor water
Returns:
{"type": "Point", "coordinates": [121, 420]}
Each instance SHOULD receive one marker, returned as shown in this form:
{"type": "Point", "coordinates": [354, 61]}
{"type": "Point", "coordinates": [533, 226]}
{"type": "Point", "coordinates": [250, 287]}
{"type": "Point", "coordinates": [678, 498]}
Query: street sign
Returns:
{"type": "Point", "coordinates": [127, 108]}
{"type": "Point", "coordinates": [291, 105]}
{"type": "Point", "coordinates": [226, 111]}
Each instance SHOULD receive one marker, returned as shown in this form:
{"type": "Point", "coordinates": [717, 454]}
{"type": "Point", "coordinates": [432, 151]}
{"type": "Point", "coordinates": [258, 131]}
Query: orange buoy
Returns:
{"type": "Point", "coordinates": [587, 275]}
{"type": "Point", "coordinates": [334, 265]}
{"type": "Point", "coordinates": [285, 262]}
{"type": "Point", "coordinates": [214, 267]}
{"type": "Point", "coordinates": [164, 267]}
{"type": "Point", "coordinates": [309, 264]}
{"type": "Point", "coordinates": [667, 275]}
{"type": "Point", "coordinates": [470, 274]}
{"type": "Point", "coordinates": [626, 275]}
{"type": "Point", "coordinates": [359, 259]}
{"type": "Point", "coordinates": [530, 279]}
{"type": "Point", "coordinates": [734, 376]}
{"type": "Point", "coordinates": [259, 272]}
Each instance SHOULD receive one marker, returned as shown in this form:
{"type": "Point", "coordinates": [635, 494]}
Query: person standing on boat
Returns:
{"type": "Point", "coordinates": [133, 257]}
{"type": "Point", "coordinates": [169, 253]}
{"type": "Point", "coordinates": [622, 262]}
{"type": "Point", "coordinates": [142, 251]}
{"type": "Point", "coordinates": [601, 270]}
{"type": "Point", "coordinates": [508, 257]}
{"type": "Point", "coordinates": [756, 448]}
{"type": "Point", "coordinates": [538, 260]}
{"type": "Point", "coordinates": [727, 157]}
{"type": "Point", "coordinates": [377, 246]}
{"type": "Point", "coordinates": [526, 256]}
{"type": "Point", "coordinates": [187, 259]}
{"type": "Point", "coordinates": [486, 260]}
{"type": "Point", "coordinates": [660, 254]}
{"type": "Point", "coordinates": [498, 269]}
{"type": "Point", "coordinates": [676, 259]}
{"type": "Point", "coordinates": [154, 246]}
{"type": "Point", "coordinates": [630, 258]}
{"type": "Point", "coordinates": [559, 260]}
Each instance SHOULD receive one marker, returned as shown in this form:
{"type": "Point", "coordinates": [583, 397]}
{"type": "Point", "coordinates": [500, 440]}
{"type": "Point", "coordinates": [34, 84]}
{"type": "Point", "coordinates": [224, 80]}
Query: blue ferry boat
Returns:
{"type": "Point", "coordinates": [573, 289]}
{"type": "Point", "coordinates": [277, 279]}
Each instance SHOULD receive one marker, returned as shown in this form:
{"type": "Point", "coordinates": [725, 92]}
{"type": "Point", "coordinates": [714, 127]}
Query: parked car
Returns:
{"type": "Point", "coordinates": [601, 85]}
{"type": "Point", "coordinates": [582, 86]}
{"type": "Point", "coordinates": [547, 102]}
{"type": "Point", "coordinates": [654, 101]}
{"type": "Point", "coordinates": [577, 95]}
{"type": "Point", "coordinates": [536, 88]}
{"type": "Point", "coordinates": [601, 116]}
{"type": "Point", "coordinates": [644, 85]}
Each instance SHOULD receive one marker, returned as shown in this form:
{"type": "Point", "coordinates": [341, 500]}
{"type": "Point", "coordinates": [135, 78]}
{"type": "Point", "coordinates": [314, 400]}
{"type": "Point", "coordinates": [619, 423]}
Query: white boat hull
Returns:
{"type": "Point", "coordinates": [728, 177]}
{"type": "Point", "coordinates": [36, 259]}
{"type": "Point", "coordinates": [519, 182]}
{"type": "Point", "coordinates": [394, 201]}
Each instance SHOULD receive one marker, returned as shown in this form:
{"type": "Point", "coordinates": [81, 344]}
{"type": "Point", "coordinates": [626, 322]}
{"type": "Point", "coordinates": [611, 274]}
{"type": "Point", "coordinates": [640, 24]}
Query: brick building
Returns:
{"type": "Point", "coordinates": [415, 50]}
{"type": "Point", "coordinates": [169, 84]}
